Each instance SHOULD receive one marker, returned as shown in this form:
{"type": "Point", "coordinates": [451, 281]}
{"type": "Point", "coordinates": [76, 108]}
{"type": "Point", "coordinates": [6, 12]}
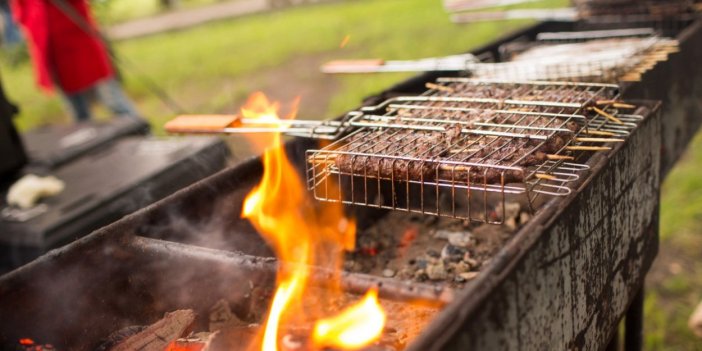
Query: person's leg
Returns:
{"type": "Point", "coordinates": [111, 94]}
{"type": "Point", "coordinates": [79, 105]}
{"type": "Point", "coordinates": [12, 35]}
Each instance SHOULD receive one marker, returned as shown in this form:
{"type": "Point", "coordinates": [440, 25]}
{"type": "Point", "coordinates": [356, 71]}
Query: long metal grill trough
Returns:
{"type": "Point", "coordinates": [613, 57]}
{"type": "Point", "coordinates": [116, 277]}
{"type": "Point", "coordinates": [442, 152]}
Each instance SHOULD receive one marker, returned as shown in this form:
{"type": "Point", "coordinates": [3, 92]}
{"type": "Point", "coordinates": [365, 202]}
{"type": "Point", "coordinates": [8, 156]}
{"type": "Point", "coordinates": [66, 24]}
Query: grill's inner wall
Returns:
{"type": "Point", "coordinates": [75, 299]}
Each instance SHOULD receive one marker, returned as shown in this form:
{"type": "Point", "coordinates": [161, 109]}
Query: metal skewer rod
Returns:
{"type": "Point", "coordinates": [564, 14]}
{"type": "Point", "coordinates": [442, 129]}
{"type": "Point", "coordinates": [447, 63]}
{"type": "Point", "coordinates": [465, 5]}
{"type": "Point", "coordinates": [595, 34]}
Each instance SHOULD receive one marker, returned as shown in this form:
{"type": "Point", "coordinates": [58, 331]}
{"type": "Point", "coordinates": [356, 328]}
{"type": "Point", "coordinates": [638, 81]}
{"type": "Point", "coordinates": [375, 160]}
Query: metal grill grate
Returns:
{"type": "Point", "coordinates": [444, 152]}
{"type": "Point", "coordinates": [600, 60]}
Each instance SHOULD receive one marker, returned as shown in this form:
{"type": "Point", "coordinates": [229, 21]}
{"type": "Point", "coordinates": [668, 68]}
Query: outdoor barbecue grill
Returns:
{"type": "Point", "coordinates": [563, 280]}
{"type": "Point", "coordinates": [119, 259]}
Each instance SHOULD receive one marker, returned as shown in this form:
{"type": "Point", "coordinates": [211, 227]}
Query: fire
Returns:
{"type": "Point", "coordinates": [355, 327]}
{"type": "Point", "coordinates": [301, 231]}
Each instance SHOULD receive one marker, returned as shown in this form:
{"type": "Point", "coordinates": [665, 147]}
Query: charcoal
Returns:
{"type": "Point", "coordinates": [452, 253]}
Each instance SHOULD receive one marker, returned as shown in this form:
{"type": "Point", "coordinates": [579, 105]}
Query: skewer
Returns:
{"type": "Point", "coordinates": [631, 78]}
{"type": "Point", "coordinates": [588, 148]}
{"type": "Point", "coordinates": [560, 157]}
{"type": "Point", "coordinates": [623, 105]}
{"type": "Point", "coordinates": [434, 86]}
{"type": "Point", "coordinates": [606, 115]}
{"type": "Point", "coordinates": [614, 103]}
{"type": "Point", "coordinates": [545, 176]}
{"type": "Point", "coordinates": [598, 132]}
{"type": "Point", "coordinates": [600, 140]}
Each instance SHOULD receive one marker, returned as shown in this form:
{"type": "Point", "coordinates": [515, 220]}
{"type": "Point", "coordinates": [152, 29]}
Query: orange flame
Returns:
{"type": "Point", "coordinates": [353, 328]}
{"type": "Point", "coordinates": [301, 232]}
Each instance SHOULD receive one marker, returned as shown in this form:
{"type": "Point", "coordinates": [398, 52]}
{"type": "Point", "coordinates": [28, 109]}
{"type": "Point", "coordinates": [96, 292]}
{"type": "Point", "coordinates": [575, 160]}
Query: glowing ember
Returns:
{"type": "Point", "coordinates": [28, 344]}
{"type": "Point", "coordinates": [300, 231]}
{"type": "Point", "coordinates": [185, 346]}
{"type": "Point", "coordinates": [353, 328]}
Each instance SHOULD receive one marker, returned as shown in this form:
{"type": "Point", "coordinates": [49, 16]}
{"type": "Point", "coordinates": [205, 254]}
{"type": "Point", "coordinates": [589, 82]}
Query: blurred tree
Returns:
{"type": "Point", "coordinates": [169, 4]}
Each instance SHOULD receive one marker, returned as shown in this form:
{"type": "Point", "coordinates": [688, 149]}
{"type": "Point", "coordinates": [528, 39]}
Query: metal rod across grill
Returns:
{"type": "Point", "coordinates": [444, 152]}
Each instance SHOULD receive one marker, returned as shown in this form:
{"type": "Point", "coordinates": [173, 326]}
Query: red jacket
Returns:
{"type": "Point", "coordinates": [61, 50]}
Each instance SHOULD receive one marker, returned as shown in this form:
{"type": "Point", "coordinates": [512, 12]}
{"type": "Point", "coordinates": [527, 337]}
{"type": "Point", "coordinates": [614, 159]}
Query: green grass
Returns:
{"type": "Point", "coordinates": [204, 68]}
{"type": "Point", "coordinates": [115, 11]}
{"type": "Point", "coordinates": [673, 295]}
{"type": "Point", "coordinates": [682, 201]}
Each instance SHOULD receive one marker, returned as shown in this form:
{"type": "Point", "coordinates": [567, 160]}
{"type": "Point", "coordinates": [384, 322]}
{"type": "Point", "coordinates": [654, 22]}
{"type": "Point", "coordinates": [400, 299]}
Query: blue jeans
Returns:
{"type": "Point", "coordinates": [11, 33]}
{"type": "Point", "coordinates": [109, 92]}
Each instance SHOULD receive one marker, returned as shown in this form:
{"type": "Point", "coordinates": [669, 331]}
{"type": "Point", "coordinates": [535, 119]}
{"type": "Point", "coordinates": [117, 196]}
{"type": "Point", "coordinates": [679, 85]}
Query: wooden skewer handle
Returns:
{"type": "Point", "coordinates": [588, 148]}
{"type": "Point", "coordinates": [439, 87]}
{"type": "Point", "coordinates": [607, 115]}
{"type": "Point", "coordinates": [599, 132]}
{"type": "Point", "coordinates": [600, 140]}
{"type": "Point", "coordinates": [545, 176]}
{"type": "Point", "coordinates": [560, 157]}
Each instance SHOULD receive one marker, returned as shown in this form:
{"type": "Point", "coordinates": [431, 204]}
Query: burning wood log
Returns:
{"type": "Point", "coordinates": [156, 337]}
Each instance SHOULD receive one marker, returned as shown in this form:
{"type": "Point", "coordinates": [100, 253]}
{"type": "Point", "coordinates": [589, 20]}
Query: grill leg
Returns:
{"type": "Point", "coordinates": [614, 343]}
{"type": "Point", "coordinates": [633, 329]}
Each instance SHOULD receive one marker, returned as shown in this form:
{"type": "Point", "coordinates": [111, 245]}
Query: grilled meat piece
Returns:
{"type": "Point", "coordinates": [364, 149]}
{"type": "Point", "coordinates": [426, 156]}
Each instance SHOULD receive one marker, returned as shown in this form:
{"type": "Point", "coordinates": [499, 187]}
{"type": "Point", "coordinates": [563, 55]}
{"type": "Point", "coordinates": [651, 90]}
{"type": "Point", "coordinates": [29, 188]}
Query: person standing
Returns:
{"type": "Point", "coordinates": [69, 55]}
